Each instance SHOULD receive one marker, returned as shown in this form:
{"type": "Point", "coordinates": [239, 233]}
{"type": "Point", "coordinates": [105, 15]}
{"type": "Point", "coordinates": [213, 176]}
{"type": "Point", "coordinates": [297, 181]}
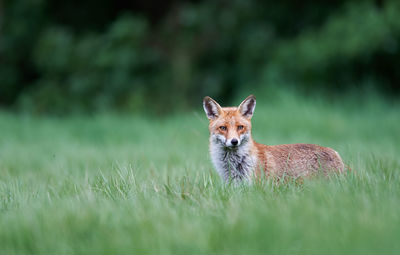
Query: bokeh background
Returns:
{"type": "Point", "coordinates": [62, 57]}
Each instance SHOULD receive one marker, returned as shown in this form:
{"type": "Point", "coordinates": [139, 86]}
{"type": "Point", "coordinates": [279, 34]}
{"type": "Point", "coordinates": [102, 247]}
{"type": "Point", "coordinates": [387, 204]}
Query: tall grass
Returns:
{"type": "Point", "coordinates": [112, 184]}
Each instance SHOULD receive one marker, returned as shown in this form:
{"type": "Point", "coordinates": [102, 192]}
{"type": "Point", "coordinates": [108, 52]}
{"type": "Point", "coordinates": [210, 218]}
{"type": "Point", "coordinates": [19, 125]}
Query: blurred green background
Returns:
{"type": "Point", "coordinates": [63, 57]}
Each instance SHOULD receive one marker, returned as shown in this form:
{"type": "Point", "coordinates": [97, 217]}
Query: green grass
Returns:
{"type": "Point", "coordinates": [113, 184]}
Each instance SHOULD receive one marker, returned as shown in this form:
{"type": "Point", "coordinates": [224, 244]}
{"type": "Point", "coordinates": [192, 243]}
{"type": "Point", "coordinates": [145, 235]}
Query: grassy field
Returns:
{"type": "Point", "coordinates": [111, 184]}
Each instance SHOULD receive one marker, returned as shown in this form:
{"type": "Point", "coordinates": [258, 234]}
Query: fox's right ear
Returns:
{"type": "Point", "coordinates": [212, 108]}
{"type": "Point", "coordinates": [246, 108]}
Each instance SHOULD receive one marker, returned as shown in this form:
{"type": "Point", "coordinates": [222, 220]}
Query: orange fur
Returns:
{"type": "Point", "coordinates": [249, 158]}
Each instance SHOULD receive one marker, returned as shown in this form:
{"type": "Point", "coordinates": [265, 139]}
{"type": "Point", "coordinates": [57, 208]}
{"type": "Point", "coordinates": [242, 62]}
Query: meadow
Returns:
{"type": "Point", "coordinates": [137, 184]}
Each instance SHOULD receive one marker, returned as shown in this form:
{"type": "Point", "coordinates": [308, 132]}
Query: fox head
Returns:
{"type": "Point", "coordinates": [230, 127]}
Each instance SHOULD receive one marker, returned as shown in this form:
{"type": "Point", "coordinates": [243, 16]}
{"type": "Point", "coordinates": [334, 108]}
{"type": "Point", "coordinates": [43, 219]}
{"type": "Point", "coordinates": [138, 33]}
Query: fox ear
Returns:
{"type": "Point", "coordinates": [212, 108]}
{"type": "Point", "coordinates": [246, 108]}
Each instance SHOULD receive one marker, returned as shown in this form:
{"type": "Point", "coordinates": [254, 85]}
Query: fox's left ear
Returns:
{"type": "Point", "coordinates": [212, 108]}
{"type": "Point", "coordinates": [246, 108]}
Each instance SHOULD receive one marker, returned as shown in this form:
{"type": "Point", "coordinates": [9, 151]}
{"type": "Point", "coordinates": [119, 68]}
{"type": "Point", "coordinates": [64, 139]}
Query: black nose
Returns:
{"type": "Point", "coordinates": [234, 141]}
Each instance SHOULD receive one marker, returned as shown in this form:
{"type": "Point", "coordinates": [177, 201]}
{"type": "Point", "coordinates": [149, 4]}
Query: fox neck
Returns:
{"type": "Point", "coordinates": [233, 164]}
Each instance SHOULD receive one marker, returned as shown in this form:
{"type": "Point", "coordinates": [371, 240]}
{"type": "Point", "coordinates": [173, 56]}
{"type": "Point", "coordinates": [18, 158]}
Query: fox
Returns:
{"type": "Point", "coordinates": [237, 157]}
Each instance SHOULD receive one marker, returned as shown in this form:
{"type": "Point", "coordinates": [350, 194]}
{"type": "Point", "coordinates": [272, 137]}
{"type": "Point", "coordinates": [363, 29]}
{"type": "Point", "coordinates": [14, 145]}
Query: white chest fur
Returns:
{"type": "Point", "coordinates": [232, 164]}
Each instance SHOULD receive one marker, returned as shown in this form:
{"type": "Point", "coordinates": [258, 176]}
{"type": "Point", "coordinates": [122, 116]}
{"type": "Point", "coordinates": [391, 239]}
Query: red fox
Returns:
{"type": "Point", "coordinates": [236, 156]}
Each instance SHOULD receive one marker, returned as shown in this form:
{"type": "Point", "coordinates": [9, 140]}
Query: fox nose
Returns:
{"type": "Point", "coordinates": [234, 141]}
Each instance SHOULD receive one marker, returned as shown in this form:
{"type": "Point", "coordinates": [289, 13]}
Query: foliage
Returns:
{"type": "Point", "coordinates": [56, 58]}
{"type": "Point", "coordinates": [96, 71]}
{"type": "Point", "coordinates": [358, 45]}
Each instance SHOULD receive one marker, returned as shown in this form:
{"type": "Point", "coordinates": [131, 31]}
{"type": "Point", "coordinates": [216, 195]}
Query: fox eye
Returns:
{"type": "Point", "coordinates": [240, 127]}
{"type": "Point", "coordinates": [223, 128]}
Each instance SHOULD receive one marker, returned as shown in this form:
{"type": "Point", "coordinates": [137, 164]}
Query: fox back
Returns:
{"type": "Point", "coordinates": [236, 156]}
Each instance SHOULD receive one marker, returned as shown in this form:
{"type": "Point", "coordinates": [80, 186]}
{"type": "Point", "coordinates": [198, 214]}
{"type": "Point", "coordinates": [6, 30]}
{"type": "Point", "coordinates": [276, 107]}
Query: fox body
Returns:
{"type": "Point", "coordinates": [236, 156]}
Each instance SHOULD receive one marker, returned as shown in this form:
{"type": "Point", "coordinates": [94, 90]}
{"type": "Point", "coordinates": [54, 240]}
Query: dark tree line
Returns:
{"type": "Point", "coordinates": [67, 56]}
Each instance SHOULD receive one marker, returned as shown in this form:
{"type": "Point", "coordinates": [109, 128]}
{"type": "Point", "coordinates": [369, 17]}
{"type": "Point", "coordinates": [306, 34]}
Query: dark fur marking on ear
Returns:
{"type": "Point", "coordinates": [250, 107]}
{"type": "Point", "coordinates": [246, 108]}
{"type": "Point", "coordinates": [211, 108]}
